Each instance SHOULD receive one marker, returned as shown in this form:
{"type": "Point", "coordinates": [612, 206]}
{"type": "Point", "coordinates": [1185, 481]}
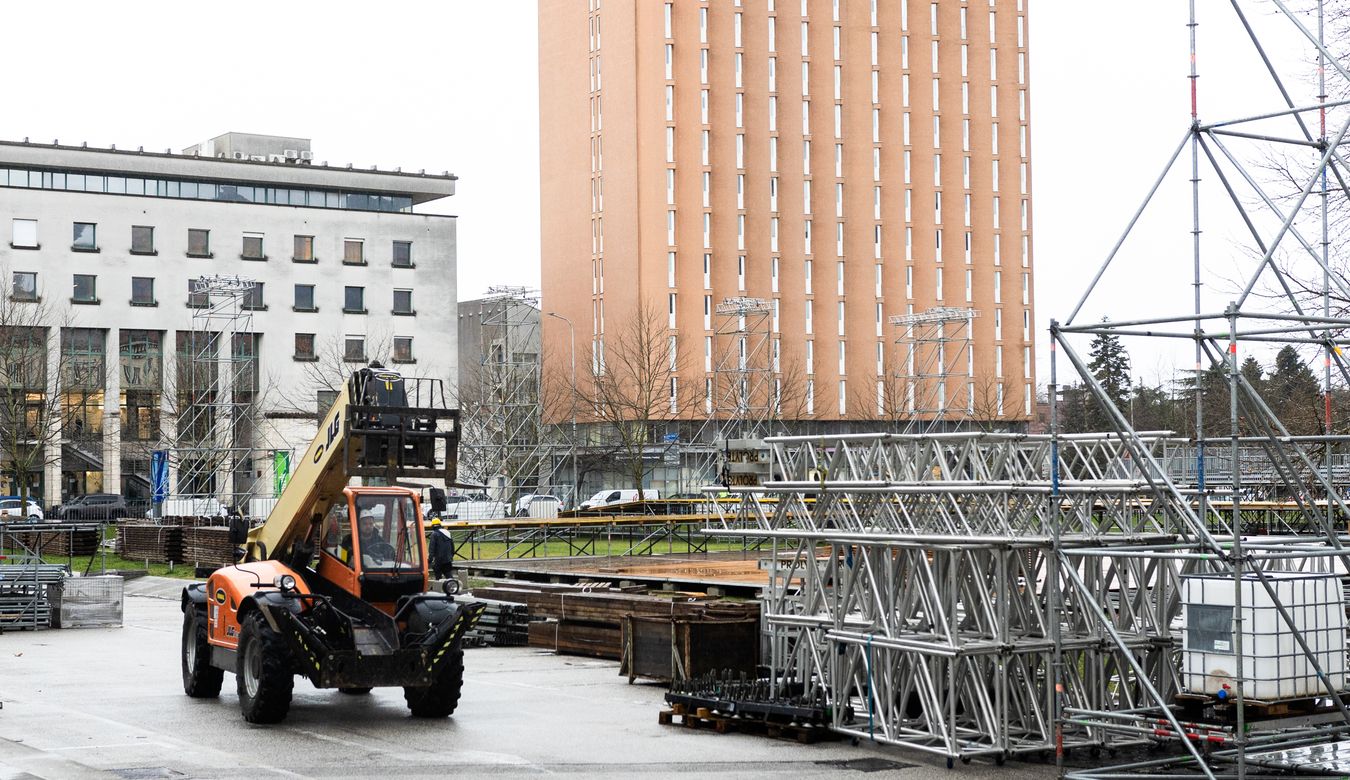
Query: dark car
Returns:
{"type": "Point", "coordinates": [93, 506]}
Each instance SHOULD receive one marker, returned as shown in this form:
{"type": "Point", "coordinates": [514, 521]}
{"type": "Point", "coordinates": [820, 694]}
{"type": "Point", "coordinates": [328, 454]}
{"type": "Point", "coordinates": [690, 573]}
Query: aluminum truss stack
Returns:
{"type": "Point", "coordinates": [919, 584]}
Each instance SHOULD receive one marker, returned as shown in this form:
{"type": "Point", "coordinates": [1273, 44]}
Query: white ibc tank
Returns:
{"type": "Point", "coordinates": [1274, 666]}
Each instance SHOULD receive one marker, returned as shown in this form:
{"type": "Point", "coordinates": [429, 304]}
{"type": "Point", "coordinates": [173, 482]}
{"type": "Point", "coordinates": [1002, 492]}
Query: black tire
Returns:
{"type": "Point", "coordinates": [354, 691]}
{"type": "Point", "coordinates": [439, 699]}
{"type": "Point", "coordinates": [201, 680]}
{"type": "Point", "coordinates": [264, 675]}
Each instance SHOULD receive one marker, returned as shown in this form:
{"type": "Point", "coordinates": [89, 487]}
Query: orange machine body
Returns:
{"type": "Point", "coordinates": [228, 591]}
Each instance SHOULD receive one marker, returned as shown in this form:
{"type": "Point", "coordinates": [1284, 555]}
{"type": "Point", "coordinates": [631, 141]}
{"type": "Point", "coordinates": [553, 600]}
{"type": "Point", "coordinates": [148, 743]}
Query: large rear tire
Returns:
{"type": "Point", "coordinates": [264, 676]}
{"type": "Point", "coordinates": [201, 680]}
{"type": "Point", "coordinates": [439, 699]}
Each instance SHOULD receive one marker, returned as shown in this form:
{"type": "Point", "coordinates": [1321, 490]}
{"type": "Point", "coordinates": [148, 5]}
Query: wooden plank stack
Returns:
{"type": "Point", "coordinates": [207, 546]}
{"type": "Point", "coordinates": [156, 543]}
{"type": "Point", "coordinates": [588, 621]}
{"type": "Point", "coordinates": [53, 543]}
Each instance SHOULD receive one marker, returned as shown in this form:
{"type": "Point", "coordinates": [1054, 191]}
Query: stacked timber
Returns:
{"type": "Point", "coordinates": [156, 543]}
{"type": "Point", "coordinates": [207, 546]}
{"type": "Point", "coordinates": [582, 621]}
{"type": "Point", "coordinates": [54, 542]}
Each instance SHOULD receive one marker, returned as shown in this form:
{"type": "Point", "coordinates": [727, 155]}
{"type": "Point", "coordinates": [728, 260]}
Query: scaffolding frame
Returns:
{"type": "Point", "coordinates": [973, 594]}
{"type": "Point", "coordinates": [504, 435]}
{"type": "Point", "coordinates": [217, 403]}
{"type": "Point", "coordinates": [935, 350]}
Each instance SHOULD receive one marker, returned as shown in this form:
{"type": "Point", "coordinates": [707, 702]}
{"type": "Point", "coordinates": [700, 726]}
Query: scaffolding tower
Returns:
{"type": "Point", "coordinates": [216, 400]}
{"type": "Point", "coordinates": [746, 393]}
{"type": "Point", "coordinates": [505, 443]}
{"type": "Point", "coordinates": [933, 385]}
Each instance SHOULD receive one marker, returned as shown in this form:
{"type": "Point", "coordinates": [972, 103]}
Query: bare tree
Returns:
{"type": "Point", "coordinates": [52, 381]}
{"type": "Point", "coordinates": [633, 382]}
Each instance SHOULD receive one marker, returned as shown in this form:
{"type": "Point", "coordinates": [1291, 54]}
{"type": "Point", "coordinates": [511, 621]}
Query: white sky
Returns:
{"type": "Point", "coordinates": [452, 86]}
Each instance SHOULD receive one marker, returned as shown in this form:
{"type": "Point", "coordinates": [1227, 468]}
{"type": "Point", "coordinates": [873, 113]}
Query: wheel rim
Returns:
{"type": "Point", "coordinates": [252, 668]}
{"type": "Point", "coordinates": [190, 646]}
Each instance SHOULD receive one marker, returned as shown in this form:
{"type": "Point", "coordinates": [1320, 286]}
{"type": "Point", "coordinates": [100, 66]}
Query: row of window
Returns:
{"type": "Point", "coordinates": [84, 238]}
{"type": "Point", "coordinates": [353, 348]}
{"type": "Point", "coordinates": [89, 181]}
{"type": "Point", "coordinates": [85, 291]}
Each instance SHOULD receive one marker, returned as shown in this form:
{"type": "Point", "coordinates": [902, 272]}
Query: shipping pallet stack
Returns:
{"type": "Point", "coordinates": [26, 594]}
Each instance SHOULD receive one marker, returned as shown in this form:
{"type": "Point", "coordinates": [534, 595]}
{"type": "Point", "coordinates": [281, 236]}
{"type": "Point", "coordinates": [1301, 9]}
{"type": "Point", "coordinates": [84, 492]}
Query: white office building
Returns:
{"type": "Point", "coordinates": [100, 252]}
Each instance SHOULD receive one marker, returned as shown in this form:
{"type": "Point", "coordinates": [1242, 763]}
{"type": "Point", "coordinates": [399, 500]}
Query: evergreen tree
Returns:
{"type": "Point", "coordinates": [1111, 366]}
{"type": "Point", "coordinates": [1252, 372]}
{"type": "Point", "coordinates": [1295, 394]}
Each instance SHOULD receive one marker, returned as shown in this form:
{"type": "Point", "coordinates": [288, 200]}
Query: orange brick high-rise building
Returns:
{"type": "Point", "coordinates": [844, 161]}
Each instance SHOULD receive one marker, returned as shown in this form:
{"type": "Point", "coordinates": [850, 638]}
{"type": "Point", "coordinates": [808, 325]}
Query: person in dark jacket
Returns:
{"type": "Point", "coordinates": [441, 550]}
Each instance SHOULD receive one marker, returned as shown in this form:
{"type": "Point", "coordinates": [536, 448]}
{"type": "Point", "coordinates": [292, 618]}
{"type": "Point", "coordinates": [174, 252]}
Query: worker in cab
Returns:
{"type": "Point", "coordinates": [372, 544]}
{"type": "Point", "coordinates": [441, 550]}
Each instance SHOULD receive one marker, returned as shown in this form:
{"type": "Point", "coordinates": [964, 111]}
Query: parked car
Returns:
{"type": "Point", "coordinates": [610, 497]}
{"type": "Point", "coordinates": [538, 505]}
{"type": "Point", "coordinates": [93, 506]}
{"type": "Point", "coordinates": [17, 507]}
{"type": "Point", "coordinates": [469, 506]}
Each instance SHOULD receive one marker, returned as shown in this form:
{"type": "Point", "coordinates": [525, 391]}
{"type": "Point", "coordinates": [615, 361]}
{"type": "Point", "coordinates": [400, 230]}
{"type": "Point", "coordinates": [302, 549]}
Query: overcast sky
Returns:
{"type": "Point", "coordinates": [452, 86]}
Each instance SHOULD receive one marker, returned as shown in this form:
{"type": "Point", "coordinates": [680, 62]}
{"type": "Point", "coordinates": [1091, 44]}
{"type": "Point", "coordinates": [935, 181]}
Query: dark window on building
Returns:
{"type": "Point", "coordinates": [325, 400]}
{"type": "Point", "coordinates": [142, 240]}
{"type": "Point", "coordinates": [304, 346]}
{"type": "Point", "coordinates": [403, 254]}
{"type": "Point", "coordinates": [197, 300]}
{"type": "Point", "coordinates": [84, 239]}
{"type": "Point", "coordinates": [199, 242]}
{"type": "Point", "coordinates": [403, 349]}
{"type": "Point", "coordinates": [253, 247]}
{"type": "Point", "coordinates": [304, 249]}
{"type": "Point", "coordinates": [25, 286]}
{"type": "Point", "coordinates": [304, 297]}
{"type": "Point", "coordinates": [354, 251]}
{"type": "Point", "coordinates": [354, 348]}
{"type": "Point", "coordinates": [254, 299]}
{"type": "Point", "coordinates": [142, 291]}
{"type": "Point", "coordinates": [86, 290]}
{"type": "Point", "coordinates": [403, 302]}
{"type": "Point", "coordinates": [354, 300]}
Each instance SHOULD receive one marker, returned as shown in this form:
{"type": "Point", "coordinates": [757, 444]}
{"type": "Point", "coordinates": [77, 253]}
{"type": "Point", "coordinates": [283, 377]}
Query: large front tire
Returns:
{"type": "Point", "coordinates": [201, 680]}
{"type": "Point", "coordinates": [264, 675]}
{"type": "Point", "coordinates": [439, 699]}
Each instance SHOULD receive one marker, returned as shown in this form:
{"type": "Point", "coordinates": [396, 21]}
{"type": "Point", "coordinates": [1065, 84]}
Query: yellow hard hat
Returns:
{"type": "Point", "coordinates": [435, 522]}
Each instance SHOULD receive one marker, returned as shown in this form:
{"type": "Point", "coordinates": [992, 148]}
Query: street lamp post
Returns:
{"type": "Point", "coordinates": [572, 341]}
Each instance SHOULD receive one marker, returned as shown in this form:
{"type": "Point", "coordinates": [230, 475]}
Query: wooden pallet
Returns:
{"type": "Point", "coordinates": [722, 724]}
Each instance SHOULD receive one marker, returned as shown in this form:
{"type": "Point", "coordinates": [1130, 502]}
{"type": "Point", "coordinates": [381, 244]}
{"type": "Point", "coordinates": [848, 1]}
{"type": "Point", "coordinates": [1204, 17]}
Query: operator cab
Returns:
{"type": "Point", "coordinates": [371, 545]}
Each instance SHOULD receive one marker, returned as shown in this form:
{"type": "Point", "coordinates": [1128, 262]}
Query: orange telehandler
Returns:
{"type": "Point", "coordinates": [333, 586]}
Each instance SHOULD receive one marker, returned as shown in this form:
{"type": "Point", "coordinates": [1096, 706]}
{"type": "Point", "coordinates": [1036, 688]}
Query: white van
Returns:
{"type": "Point", "coordinates": [611, 497]}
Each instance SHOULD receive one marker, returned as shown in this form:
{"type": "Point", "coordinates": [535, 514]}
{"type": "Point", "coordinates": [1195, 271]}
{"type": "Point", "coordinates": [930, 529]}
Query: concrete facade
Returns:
{"type": "Point", "coordinates": [39, 189]}
{"type": "Point", "coordinates": [846, 162]}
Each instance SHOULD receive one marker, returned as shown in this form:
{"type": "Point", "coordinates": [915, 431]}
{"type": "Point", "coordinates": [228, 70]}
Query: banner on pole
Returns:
{"type": "Point", "coordinates": [159, 476]}
{"type": "Point", "coordinates": [281, 471]}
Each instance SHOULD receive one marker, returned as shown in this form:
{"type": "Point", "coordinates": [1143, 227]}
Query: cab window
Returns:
{"type": "Point", "coordinates": [337, 538]}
